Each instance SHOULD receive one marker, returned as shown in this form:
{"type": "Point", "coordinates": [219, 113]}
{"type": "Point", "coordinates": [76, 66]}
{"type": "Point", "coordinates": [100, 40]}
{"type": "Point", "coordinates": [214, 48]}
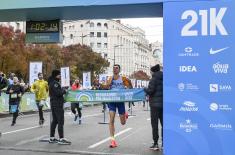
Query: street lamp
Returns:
{"type": "Point", "coordinates": [83, 36]}
{"type": "Point", "coordinates": [114, 52]}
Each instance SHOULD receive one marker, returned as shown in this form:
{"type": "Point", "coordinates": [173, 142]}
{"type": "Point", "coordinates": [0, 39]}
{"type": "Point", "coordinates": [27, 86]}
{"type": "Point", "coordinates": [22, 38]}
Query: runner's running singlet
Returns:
{"type": "Point", "coordinates": [117, 84]}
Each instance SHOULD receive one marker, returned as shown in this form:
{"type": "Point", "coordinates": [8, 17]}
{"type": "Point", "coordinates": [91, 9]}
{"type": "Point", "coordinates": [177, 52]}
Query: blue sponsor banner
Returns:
{"type": "Point", "coordinates": [43, 37]}
{"type": "Point", "coordinates": [198, 78]}
{"type": "Point", "coordinates": [122, 95]}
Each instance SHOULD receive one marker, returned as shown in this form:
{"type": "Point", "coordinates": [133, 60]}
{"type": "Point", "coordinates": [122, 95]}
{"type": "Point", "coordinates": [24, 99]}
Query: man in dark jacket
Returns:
{"type": "Point", "coordinates": [3, 82]}
{"type": "Point", "coordinates": [155, 92]}
{"type": "Point", "coordinates": [57, 108]}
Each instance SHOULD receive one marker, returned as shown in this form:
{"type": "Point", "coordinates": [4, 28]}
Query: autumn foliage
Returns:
{"type": "Point", "coordinates": [140, 75]}
{"type": "Point", "coordinates": [15, 56]}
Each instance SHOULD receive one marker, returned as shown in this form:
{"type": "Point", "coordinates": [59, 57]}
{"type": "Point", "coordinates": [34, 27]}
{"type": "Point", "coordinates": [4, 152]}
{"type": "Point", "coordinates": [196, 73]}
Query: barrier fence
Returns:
{"type": "Point", "coordinates": [87, 97]}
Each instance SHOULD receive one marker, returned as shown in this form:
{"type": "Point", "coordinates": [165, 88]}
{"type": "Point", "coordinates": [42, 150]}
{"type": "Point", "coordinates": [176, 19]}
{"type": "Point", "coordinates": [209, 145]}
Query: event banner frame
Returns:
{"type": "Point", "coordinates": [199, 117]}
{"type": "Point", "coordinates": [124, 95]}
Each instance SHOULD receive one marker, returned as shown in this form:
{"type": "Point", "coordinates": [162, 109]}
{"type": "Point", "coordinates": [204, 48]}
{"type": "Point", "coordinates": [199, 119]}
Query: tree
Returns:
{"type": "Point", "coordinates": [15, 56]}
{"type": "Point", "coordinates": [140, 75]}
{"type": "Point", "coordinates": [84, 59]}
{"type": "Point", "coordinates": [12, 51]}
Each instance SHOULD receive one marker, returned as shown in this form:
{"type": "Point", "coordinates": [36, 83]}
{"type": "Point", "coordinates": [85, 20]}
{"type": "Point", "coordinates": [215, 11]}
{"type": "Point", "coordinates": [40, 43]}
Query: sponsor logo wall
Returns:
{"type": "Point", "coordinates": [199, 77]}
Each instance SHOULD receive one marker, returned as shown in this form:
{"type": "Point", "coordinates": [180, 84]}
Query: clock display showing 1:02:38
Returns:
{"type": "Point", "coordinates": [42, 26]}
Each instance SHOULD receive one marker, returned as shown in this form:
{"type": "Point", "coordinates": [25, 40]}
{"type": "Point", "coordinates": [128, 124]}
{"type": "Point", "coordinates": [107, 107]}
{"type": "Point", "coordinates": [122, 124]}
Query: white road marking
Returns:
{"type": "Point", "coordinates": [107, 139]}
{"type": "Point", "coordinates": [5, 133]}
{"type": "Point", "coordinates": [29, 128]}
{"type": "Point", "coordinates": [71, 114]}
{"type": "Point", "coordinates": [92, 115]}
{"type": "Point", "coordinates": [30, 140]}
{"type": "Point", "coordinates": [131, 116]}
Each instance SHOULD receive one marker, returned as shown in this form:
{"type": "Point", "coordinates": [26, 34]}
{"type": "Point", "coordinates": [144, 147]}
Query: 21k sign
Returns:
{"type": "Point", "coordinates": [199, 77]}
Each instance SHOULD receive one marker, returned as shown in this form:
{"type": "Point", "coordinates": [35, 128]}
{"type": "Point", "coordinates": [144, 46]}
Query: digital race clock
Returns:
{"type": "Point", "coordinates": [42, 32]}
{"type": "Point", "coordinates": [48, 26]}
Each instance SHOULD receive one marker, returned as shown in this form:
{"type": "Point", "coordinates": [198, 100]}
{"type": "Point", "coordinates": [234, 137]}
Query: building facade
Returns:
{"type": "Point", "coordinates": [118, 43]}
{"type": "Point", "coordinates": [157, 53]}
{"type": "Point", "coordinates": [16, 25]}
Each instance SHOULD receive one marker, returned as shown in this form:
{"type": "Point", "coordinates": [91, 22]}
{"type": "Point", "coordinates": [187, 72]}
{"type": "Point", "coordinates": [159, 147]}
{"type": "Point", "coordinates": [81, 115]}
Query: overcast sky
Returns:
{"type": "Point", "coordinates": [153, 27]}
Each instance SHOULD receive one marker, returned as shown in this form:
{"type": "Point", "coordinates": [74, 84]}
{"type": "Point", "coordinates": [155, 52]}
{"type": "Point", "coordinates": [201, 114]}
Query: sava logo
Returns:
{"type": "Point", "coordinates": [187, 69]}
{"type": "Point", "coordinates": [189, 106]}
{"type": "Point", "coordinates": [214, 88]}
{"type": "Point", "coordinates": [220, 68]}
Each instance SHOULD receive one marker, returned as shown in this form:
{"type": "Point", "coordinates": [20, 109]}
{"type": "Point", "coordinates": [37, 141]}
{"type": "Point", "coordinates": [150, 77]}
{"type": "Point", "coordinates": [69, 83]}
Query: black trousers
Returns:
{"type": "Point", "coordinates": [75, 106]}
{"type": "Point", "coordinates": [16, 112]}
{"type": "Point", "coordinates": [129, 104]}
{"type": "Point", "coordinates": [57, 119]}
{"type": "Point", "coordinates": [156, 114]}
{"type": "Point", "coordinates": [104, 105]}
{"type": "Point", "coordinates": [15, 115]}
{"type": "Point", "coordinates": [40, 110]}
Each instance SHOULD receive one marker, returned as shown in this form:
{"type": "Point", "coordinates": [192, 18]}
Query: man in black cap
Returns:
{"type": "Point", "coordinates": [155, 93]}
{"type": "Point", "coordinates": [57, 108]}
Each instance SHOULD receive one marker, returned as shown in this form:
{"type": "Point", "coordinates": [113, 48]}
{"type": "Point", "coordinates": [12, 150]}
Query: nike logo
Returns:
{"type": "Point", "coordinates": [217, 51]}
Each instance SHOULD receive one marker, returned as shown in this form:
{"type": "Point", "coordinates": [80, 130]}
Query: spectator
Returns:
{"type": "Point", "coordinates": [3, 82]}
{"type": "Point", "coordinates": [155, 93]}
{"type": "Point", "coordinates": [10, 80]}
{"type": "Point", "coordinates": [97, 86]}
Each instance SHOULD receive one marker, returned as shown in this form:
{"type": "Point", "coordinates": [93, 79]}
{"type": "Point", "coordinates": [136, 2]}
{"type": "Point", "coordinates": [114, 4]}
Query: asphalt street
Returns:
{"type": "Point", "coordinates": [88, 138]}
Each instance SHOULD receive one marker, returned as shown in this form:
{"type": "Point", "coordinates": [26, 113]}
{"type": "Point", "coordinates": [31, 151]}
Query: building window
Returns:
{"type": "Point", "coordinates": [92, 34]}
{"type": "Point", "coordinates": [71, 36]}
{"type": "Point", "coordinates": [105, 34]}
{"type": "Point", "coordinates": [91, 44]}
{"type": "Point", "coordinates": [17, 26]}
{"type": "Point", "coordinates": [99, 45]}
{"type": "Point", "coordinates": [105, 45]}
{"type": "Point", "coordinates": [98, 24]}
{"type": "Point", "coordinates": [105, 55]}
{"type": "Point", "coordinates": [65, 28]}
{"type": "Point", "coordinates": [99, 34]}
{"type": "Point", "coordinates": [81, 25]}
{"type": "Point", "coordinates": [106, 25]}
{"type": "Point", "coordinates": [92, 24]}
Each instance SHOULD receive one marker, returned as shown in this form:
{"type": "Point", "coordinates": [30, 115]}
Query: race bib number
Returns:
{"type": "Point", "coordinates": [13, 95]}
